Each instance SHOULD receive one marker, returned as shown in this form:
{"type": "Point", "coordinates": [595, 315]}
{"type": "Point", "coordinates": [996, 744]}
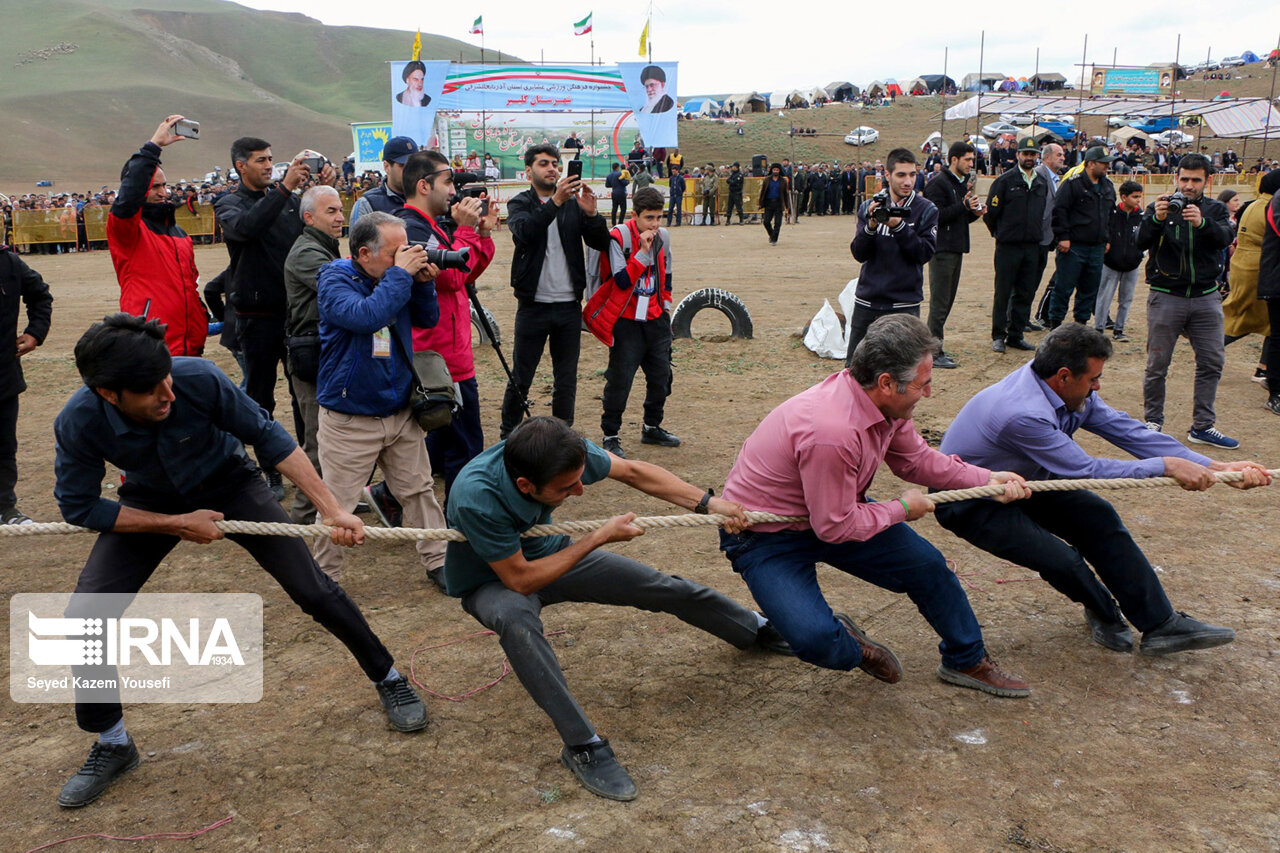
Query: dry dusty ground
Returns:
{"type": "Point", "coordinates": [731, 751]}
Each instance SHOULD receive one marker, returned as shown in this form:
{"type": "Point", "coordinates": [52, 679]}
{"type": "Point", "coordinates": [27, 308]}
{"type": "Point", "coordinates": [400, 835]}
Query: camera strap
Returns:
{"type": "Point", "coordinates": [408, 354]}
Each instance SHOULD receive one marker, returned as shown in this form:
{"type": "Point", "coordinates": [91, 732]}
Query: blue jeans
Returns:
{"type": "Point", "coordinates": [780, 570]}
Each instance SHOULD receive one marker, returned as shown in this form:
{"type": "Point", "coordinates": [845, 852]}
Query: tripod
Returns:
{"type": "Point", "coordinates": [483, 317]}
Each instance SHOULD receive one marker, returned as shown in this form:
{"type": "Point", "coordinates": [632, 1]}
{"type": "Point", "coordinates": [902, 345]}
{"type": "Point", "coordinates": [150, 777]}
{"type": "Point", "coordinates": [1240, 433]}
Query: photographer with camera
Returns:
{"type": "Point", "coordinates": [897, 235]}
{"type": "Point", "coordinates": [430, 194]}
{"type": "Point", "coordinates": [1186, 233]}
{"type": "Point", "coordinates": [369, 305]}
{"type": "Point", "coordinates": [388, 196]}
{"type": "Point", "coordinates": [260, 223]}
{"type": "Point", "coordinates": [952, 193]}
{"type": "Point", "coordinates": [549, 222]}
{"type": "Point", "coordinates": [154, 259]}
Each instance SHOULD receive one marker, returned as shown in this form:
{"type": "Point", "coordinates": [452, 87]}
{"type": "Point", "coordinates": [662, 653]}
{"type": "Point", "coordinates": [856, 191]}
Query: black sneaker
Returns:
{"type": "Point", "coordinates": [403, 705]}
{"type": "Point", "coordinates": [1181, 633]}
{"type": "Point", "coordinates": [599, 771]}
{"type": "Point", "coordinates": [613, 445]}
{"type": "Point", "coordinates": [768, 639]}
{"type": "Point", "coordinates": [275, 482]}
{"type": "Point", "coordinates": [1019, 343]}
{"type": "Point", "coordinates": [13, 515]}
{"type": "Point", "coordinates": [1273, 403]}
{"type": "Point", "coordinates": [384, 505]}
{"type": "Point", "coordinates": [658, 435]}
{"type": "Point", "coordinates": [1114, 635]}
{"type": "Point", "coordinates": [104, 764]}
{"type": "Point", "coordinates": [945, 362]}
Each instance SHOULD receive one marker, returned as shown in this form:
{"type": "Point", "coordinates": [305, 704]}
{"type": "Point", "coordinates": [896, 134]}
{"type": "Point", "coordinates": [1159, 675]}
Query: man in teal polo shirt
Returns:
{"type": "Point", "coordinates": [505, 581]}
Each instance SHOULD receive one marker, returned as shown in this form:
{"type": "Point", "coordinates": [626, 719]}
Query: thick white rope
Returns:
{"type": "Point", "coordinates": [654, 522]}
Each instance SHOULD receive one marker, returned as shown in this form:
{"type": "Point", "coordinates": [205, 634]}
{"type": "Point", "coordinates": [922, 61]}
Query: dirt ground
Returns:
{"type": "Point", "coordinates": [730, 750]}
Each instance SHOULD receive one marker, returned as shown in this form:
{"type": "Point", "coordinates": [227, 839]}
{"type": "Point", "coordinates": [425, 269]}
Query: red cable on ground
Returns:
{"type": "Point", "coordinates": [156, 836]}
{"type": "Point", "coordinates": [506, 667]}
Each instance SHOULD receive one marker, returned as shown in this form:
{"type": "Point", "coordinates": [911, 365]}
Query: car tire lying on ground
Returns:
{"type": "Point", "coordinates": [479, 327]}
{"type": "Point", "coordinates": [711, 297]}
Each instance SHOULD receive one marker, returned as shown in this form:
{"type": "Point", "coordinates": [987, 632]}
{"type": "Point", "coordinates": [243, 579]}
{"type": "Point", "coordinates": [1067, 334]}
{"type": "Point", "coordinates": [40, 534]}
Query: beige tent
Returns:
{"type": "Point", "coordinates": [1039, 134]}
{"type": "Point", "coordinates": [818, 95]}
{"type": "Point", "coordinates": [1122, 136]}
{"type": "Point", "coordinates": [916, 86]}
{"type": "Point", "coordinates": [747, 102]}
{"type": "Point", "coordinates": [796, 100]}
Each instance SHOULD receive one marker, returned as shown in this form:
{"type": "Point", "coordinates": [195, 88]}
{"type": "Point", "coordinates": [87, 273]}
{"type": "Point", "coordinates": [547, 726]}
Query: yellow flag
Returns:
{"type": "Point", "coordinates": [644, 38]}
{"type": "Point", "coordinates": [417, 45]}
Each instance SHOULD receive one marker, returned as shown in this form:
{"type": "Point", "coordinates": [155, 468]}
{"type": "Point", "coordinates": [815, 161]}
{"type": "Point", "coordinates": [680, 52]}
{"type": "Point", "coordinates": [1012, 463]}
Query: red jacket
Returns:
{"type": "Point", "coordinates": [155, 259]}
{"type": "Point", "coordinates": [451, 336]}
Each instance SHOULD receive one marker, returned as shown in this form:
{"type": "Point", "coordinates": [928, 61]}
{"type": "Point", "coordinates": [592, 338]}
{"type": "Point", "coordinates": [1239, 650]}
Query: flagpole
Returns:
{"type": "Point", "coordinates": [484, 113]}
{"type": "Point", "coordinates": [592, 148]}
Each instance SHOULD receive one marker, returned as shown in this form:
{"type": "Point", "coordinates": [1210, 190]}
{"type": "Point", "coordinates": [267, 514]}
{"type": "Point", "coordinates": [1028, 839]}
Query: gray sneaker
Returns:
{"type": "Point", "coordinates": [403, 705]}
{"type": "Point", "coordinates": [105, 763]}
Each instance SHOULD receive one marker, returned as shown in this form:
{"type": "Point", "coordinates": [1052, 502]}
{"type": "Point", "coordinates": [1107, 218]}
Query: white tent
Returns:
{"type": "Point", "coordinates": [747, 102]}
{"type": "Point", "coordinates": [1122, 136]}
{"type": "Point", "coordinates": [818, 95]}
{"type": "Point", "coordinates": [796, 99]}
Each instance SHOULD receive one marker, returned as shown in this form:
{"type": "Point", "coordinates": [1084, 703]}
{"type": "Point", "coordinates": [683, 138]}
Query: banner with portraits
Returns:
{"type": "Point", "coordinates": [646, 90]}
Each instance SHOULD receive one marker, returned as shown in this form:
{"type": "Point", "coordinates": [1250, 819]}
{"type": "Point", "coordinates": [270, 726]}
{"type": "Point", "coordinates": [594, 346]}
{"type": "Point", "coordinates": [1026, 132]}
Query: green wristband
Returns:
{"type": "Point", "coordinates": [905, 508]}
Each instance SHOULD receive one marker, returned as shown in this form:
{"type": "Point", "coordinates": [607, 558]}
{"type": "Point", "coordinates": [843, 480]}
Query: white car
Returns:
{"type": "Point", "coordinates": [862, 136]}
{"type": "Point", "coordinates": [1018, 118]}
{"type": "Point", "coordinates": [1171, 138]}
{"type": "Point", "coordinates": [999, 128]}
{"type": "Point", "coordinates": [1233, 61]}
{"type": "Point", "coordinates": [1120, 121]}
{"type": "Point", "coordinates": [981, 145]}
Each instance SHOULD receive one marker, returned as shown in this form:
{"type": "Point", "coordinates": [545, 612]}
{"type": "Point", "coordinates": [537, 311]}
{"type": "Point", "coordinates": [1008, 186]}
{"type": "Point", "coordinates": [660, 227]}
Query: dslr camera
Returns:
{"type": "Point", "coordinates": [887, 210]}
{"type": "Point", "coordinates": [470, 185]}
{"type": "Point", "coordinates": [1177, 201]}
{"type": "Point", "coordinates": [444, 258]}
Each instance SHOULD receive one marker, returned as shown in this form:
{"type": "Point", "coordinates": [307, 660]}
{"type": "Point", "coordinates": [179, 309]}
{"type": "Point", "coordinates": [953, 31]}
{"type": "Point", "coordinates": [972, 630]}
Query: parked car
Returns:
{"type": "Point", "coordinates": [981, 145]}
{"type": "Point", "coordinates": [1157, 124]}
{"type": "Point", "coordinates": [862, 136]}
{"type": "Point", "coordinates": [1121, 121]}
{"type": "Point", "coordinates": [1233, 61]}
{"type": "Point", "coordinates": [999, 128]}
{"type": "Point", "coordinates": [1172, 138]}
{"type": "Point", "coordinates": [1018, 118]}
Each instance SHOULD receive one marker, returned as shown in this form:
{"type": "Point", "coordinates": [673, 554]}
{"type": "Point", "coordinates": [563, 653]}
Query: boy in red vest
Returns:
{"type": "Point", "coordinates": [631, 314]}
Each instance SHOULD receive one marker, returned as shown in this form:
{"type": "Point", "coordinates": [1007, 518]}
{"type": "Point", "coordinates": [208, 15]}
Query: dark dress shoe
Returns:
{"type": "Point", "coordinates": [599, 771]}
{"type": "Point", "coordinates": [768, 639]}
{"type": "Point", "coordinates": [105, 763]}
{"type": "Point", "coordinates": [1181, 633]}
{"type": "Point", "coordinates": [1033, 326]}
{"type": "Point", "coordinates": [1114, 635]}
{"type": "Point", "coordinates": [878, 661]}
{"type": "Point", "coordinates": [997, 345]}
{"type": "Point", "coordinates": [1019, 343]}
{"type": "Point", "coordinates": [987, 677]}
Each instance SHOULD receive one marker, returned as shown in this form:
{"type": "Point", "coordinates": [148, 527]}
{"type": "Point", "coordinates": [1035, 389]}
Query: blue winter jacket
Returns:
{"type": "Point", "coordinates": [353, 309]}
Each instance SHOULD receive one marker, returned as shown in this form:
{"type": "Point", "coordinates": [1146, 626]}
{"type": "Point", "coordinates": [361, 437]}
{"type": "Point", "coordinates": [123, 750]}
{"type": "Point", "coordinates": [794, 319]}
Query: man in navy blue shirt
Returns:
{"type": "Point", "coordinates": [1025, 423]}
{"type": "Point", "coordinates": [177, 428]}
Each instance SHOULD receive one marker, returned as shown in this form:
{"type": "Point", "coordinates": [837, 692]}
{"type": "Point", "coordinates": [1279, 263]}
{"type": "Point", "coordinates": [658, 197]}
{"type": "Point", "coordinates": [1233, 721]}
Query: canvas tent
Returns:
{"type": "Point", "coordinates": [891, 86]}
{"type": "Point", "coordinates": [747, 102]}
{"type": "Point", "coordinates": [796, 100]}
{"type": "Point", "coordinates": [700, 107]}
{"type": "Point", "coordinates": [984, 82]}
{"type": "Point", "coordinates": [1039, 134]}
{"type": "Point", "coordinates": [1048, 82]}
{"type": "Point", "coordinates": [1122, 136]}
{"type": "Point", "coordinates": [818, 95]}
{"type": "Point", "coordinates": [937, 82]}
{"type": "Point", "coordinates": [841, 90]}
{"type": "Point", "coordinates": [916, 86]}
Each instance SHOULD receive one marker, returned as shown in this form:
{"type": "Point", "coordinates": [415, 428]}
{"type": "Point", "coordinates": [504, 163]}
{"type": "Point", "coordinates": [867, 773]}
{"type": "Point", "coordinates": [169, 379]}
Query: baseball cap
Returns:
{"type": "Point", "coordinates": [1028, 144]}
{"type": "Point", "coordinates": [398, 149]}
{"type": "Point", "coordinates": [1097, 154]}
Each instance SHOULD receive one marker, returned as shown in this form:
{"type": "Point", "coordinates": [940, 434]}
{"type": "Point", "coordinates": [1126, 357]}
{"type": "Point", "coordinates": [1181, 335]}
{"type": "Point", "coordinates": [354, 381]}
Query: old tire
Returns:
{"type": "Point", "coordinates": [711, 297]}
{"type": "Point", "coordinates": [482, 338]}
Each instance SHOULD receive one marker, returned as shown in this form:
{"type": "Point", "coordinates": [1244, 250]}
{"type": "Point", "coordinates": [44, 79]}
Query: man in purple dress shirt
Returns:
{"type": "Point", "coordinates": [815, 456]}
{"type": "Point", "coordinates": [1025, 423]}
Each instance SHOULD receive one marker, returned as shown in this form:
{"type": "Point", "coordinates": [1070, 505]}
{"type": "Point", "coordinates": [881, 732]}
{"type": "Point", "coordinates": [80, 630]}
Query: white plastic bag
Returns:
{"type": "Point", "coordinates": [825, 336]}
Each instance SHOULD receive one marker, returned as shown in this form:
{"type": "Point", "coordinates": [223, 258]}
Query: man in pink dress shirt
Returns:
{"type": "Point", "coordinates": [815, 456]}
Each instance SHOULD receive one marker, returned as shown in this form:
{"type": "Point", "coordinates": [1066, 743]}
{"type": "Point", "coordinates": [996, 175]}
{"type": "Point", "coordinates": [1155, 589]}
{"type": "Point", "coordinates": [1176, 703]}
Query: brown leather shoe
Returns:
{"type": "Point", "coordinates": [878, 661]}
{"type": "Point", "coordinates": [988, 678]}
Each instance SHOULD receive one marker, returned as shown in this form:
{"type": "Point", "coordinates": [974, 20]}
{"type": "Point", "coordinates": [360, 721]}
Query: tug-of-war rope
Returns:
{"type": "Point", "coordinates": [659, 522]}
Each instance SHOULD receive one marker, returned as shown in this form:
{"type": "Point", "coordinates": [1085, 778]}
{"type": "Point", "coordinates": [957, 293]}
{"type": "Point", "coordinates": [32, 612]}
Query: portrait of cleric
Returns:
{"type": "Point", "coordinates": [654, 80]}
{"type": "Point", "coordinates": [414, 74]}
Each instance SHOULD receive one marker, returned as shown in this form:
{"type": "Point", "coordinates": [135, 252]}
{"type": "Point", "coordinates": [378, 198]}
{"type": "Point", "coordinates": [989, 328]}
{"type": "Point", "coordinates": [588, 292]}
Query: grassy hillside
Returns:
{"type": "Point", "coordinates": [76, 116]}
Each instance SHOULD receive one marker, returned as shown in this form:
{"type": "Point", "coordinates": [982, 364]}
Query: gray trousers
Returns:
{"type": "Point", "coordinates": [944, 281]}
{"type": "Point", "coordinates": [302, 512]}
{"type": "Point", "coordinates": [1200, 319]}
{"type": "Point", "coordinates": [1113, 282]}
{"type": "Point", "coordinates": [601, 577]}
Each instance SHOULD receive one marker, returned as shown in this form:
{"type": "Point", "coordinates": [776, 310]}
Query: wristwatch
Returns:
{"type": "Point", "coordinates": [701, 508]}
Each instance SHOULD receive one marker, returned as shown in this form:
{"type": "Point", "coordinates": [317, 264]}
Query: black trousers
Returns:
{"type": "Point", "coordinates": [735, 200]}
{"type": "Point", "coordinates": [538, 324]}
{"type": "Point", "coordinates": [1018, 268]}
{"type": "Point", "coordinates": [944, 281]}
{"type": "Point", "coordinates": [1273, 349]}
{"type": "Point", "coordinates": [1054, 534]}
{"type": "Point", "coordinates": [262, 344]}
{"type": "Point", "coordinates": [862, 319]}
{"type": "Point", "coordinates": [122, 563]}
{"type": "Point", "coordinates": [773, 219]}
{"type": "Point", "coordinates": [9, 451]}
{"type": "Point", "coordinates": [452, 447]}
{"type": "Point", "coordinates": [647, 346]}
{"type": "Point", "coordinates": [619, 212]}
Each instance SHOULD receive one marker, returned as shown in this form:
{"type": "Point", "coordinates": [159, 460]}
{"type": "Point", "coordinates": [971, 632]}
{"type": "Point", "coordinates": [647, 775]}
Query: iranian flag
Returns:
{"type": "Point", "coordinates": [581, 28]}
{"type": "Point", "coordinates": [478, 27]}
